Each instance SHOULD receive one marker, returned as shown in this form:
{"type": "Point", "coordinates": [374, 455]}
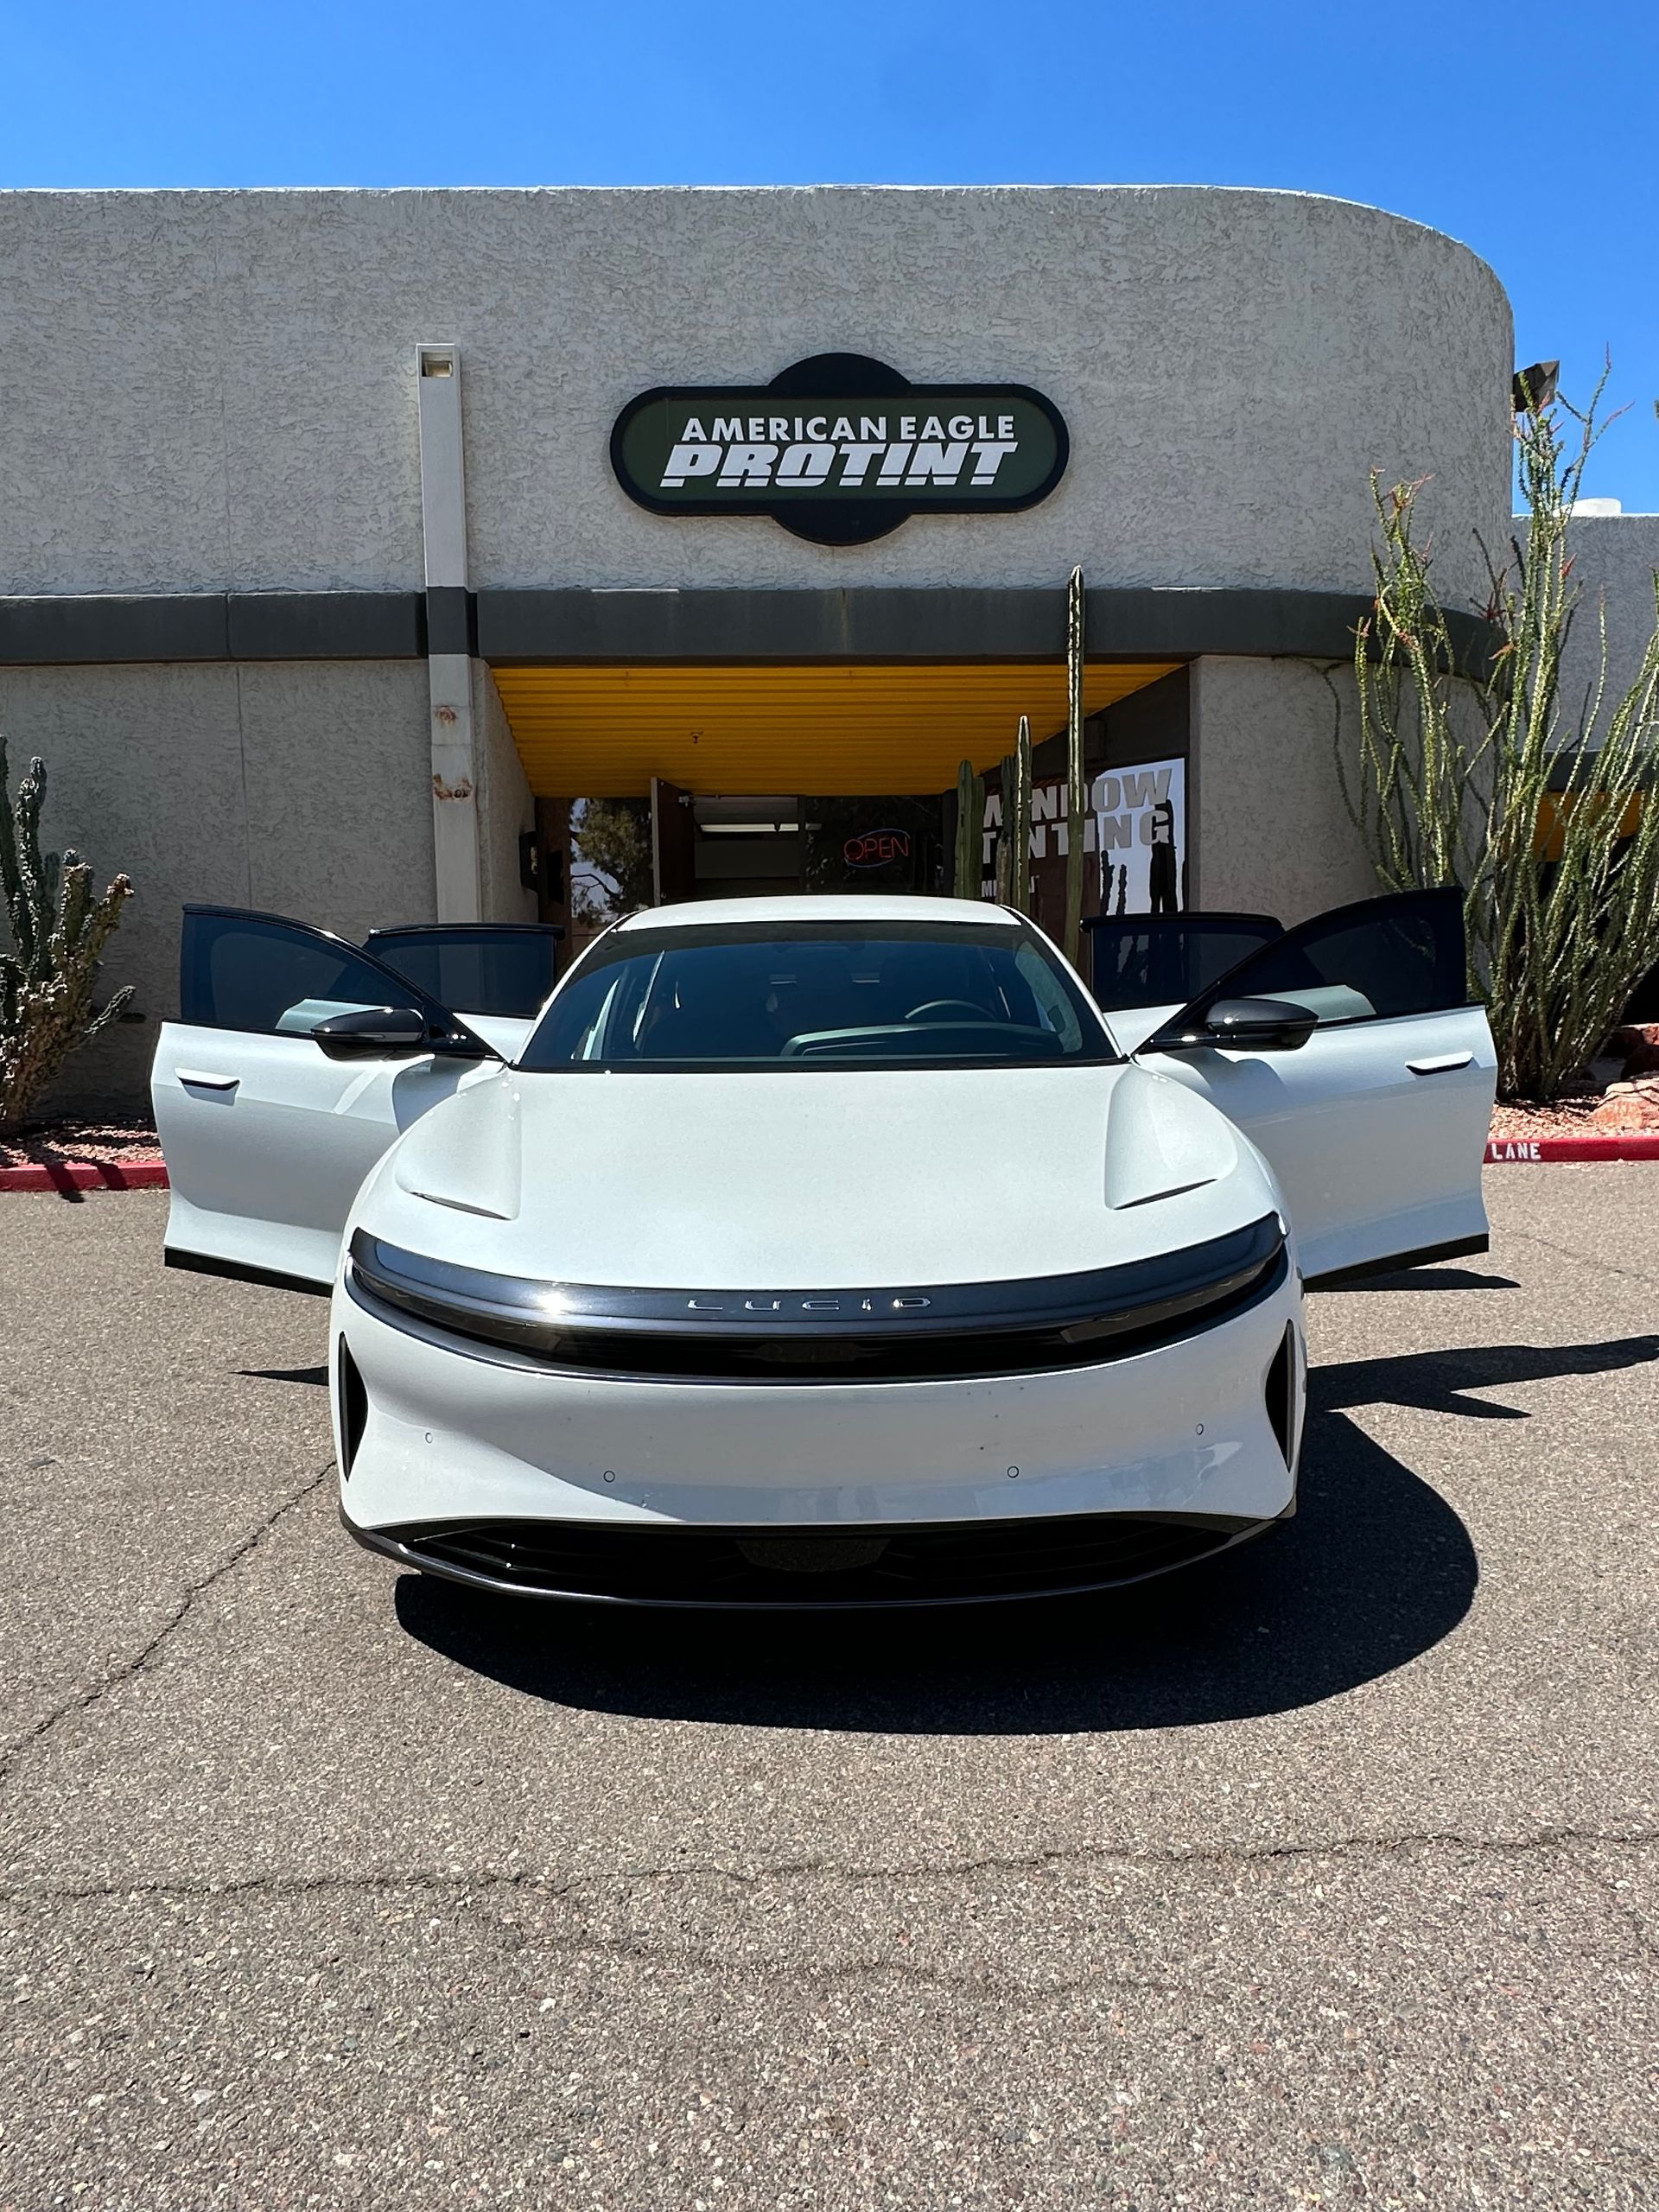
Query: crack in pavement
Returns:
{"type": "Point", "coordinates": [1622, 1905]}
{"type": "Point", "coordinates": [89, 1695]}
{"type": "Point", "coordinates": [1586, 1259]}
{"type": "Point", "coordinates": [462, 1883]}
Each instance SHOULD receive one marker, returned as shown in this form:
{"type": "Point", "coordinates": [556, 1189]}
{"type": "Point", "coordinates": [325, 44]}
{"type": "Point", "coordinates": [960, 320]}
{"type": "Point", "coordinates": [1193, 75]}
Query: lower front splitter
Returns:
{"type": "Point", "coordinates": [775, 1568]}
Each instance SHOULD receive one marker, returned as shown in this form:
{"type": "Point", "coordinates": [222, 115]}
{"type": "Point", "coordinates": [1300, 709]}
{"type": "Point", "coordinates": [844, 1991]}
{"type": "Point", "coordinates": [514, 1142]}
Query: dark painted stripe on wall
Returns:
{"type": "Point", "coordinates": [881, 624]}
{"type": "Point", "coordinates": [213, 627]}
{"type": "Point", "coordinates": [888, 626]}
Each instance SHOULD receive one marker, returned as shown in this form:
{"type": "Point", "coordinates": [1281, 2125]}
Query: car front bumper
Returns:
{"type": "Point", "coordinates": [487, 1466]}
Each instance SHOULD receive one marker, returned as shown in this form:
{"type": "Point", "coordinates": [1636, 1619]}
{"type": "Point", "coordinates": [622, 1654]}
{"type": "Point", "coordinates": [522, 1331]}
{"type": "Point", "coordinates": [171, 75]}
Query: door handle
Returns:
{"type": "Point", "coordinates": [194, 1079]}
{"type": "Point", "coordinates": [1444, 1063]}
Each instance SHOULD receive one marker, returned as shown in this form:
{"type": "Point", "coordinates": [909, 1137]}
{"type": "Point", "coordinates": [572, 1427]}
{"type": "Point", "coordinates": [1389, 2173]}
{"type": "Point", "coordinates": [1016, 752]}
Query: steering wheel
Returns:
{"type": "Point", "coordinates": [947, 1010]}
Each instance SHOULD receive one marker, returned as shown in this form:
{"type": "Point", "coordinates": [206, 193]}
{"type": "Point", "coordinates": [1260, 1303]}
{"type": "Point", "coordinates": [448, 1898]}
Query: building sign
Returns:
{"type": "Point", "coordinates": [840, 449]}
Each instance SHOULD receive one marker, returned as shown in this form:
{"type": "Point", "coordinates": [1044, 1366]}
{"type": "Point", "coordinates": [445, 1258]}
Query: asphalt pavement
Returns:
{"type": "Point", "coordinates": [1324, 1874]}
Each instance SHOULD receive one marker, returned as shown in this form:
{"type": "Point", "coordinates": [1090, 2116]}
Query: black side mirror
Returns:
{"type": "Point", "coordinates": [1243, 1026]}
{"type": "Point", "coordinates": [372, 1032]}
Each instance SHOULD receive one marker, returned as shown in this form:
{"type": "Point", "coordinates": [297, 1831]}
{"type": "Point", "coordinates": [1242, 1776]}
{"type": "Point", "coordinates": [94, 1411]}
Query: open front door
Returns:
{"type": "Point", "coordinates": [1142, 968]}
{"type": "Point", "coordinates": [1376, 1126]}
{"type": "Point", "coordinates": [267, 1135]}
{"type": "Point", "coordinates": [673, 843]}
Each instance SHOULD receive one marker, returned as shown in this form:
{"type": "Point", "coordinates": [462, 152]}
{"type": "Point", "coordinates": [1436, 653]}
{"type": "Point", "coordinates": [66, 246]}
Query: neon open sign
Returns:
{"type": "Point", "coordinates": [876, 847]}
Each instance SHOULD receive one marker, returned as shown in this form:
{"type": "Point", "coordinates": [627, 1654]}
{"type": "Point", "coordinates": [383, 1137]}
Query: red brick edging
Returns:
{"type": "Point", "coordinates": [149, 1173]}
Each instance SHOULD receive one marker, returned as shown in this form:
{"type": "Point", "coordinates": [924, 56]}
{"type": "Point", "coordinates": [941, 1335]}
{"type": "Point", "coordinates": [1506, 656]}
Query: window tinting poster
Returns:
{"type": "Point", "coordinates": [1134, 843]}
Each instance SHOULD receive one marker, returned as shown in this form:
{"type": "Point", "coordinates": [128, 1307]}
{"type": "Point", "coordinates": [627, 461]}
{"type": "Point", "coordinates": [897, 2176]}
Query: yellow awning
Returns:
{"type": "Point", "coordinates": [822, 732]}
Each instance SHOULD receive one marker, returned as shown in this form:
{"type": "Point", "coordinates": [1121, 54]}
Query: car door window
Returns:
{"type": "Point", "coordinates": [491, 969]}
{"type": "Point", "coordinates": [1142, 960]}
{"type": "Point", "coordinates": [261, 974]}
{"type": "Point", "coordinates": [1375, 961]}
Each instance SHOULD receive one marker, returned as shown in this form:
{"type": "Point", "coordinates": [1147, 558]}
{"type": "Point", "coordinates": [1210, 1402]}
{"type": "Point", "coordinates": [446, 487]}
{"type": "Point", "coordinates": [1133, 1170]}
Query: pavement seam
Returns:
{"type": "Point", "coordinates": [89, 1695]}
{"type": "Point", "coordinates": [390, 1882]}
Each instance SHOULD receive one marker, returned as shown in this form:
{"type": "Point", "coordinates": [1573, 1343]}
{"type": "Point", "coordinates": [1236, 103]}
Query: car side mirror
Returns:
{"type": "Point", "coordinates": [372, 1033]}
{"type": "Point", "coordinates": [1242, 1026]}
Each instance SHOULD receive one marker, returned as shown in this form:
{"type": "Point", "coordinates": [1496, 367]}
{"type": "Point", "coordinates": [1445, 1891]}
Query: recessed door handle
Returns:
{"type": "Point", "coordinates": [1444, 1063]}
{"type": "Point", "coordinates": [198, 1081]}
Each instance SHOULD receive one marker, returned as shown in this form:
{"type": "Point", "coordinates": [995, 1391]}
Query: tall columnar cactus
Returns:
{"type": "Point", "coordinates": [1074, 799]}
{"type": "Point", "coordinates": [49, 978]}
{"type": "Point", "coordinates": [1021, 878]}
{"type": "Point", "coordinates": [971, 832]}
{"type": "Point", "coordinates": [1013, 846]}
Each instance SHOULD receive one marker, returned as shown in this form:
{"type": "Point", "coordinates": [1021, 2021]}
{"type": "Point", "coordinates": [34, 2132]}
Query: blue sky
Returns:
{"type": "Point", "coordinates": [1527, 132]}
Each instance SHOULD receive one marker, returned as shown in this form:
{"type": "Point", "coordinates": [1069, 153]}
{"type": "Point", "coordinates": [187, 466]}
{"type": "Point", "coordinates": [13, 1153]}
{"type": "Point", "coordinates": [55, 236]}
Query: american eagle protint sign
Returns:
{"type": "Point", "coordinates": [839, 448]}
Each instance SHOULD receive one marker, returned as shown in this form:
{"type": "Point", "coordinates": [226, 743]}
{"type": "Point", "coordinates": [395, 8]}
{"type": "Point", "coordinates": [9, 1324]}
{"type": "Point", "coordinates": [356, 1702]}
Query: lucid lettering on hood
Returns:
{"type": "Point", "coordinates": [814, 453]}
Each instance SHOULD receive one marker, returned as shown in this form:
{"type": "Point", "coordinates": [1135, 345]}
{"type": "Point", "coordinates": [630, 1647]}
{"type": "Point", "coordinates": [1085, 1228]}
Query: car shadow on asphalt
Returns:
{"type": "Point", "coordinates": [1374, 1569]}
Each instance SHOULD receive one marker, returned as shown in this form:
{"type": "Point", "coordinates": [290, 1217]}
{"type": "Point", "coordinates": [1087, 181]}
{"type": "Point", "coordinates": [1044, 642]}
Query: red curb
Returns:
{"type": "Point", "coordinates": [151, 1173]}
{"type": "Point", "coordinates": [1633, 1144]}
{"type": "Point", "coordinates": [65, 1175]}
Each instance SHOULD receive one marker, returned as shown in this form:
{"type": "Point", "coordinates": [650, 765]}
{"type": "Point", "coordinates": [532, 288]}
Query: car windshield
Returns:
{"type": "Point", "coordinates": [805, 994]}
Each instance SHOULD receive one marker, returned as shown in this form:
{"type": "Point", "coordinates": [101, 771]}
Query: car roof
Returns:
{"type": "Point", "coordinates": [818, 907]}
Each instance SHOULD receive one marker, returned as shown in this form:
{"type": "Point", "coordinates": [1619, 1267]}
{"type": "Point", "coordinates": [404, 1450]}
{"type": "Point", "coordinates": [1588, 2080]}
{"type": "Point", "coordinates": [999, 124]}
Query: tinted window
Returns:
{"type": "Point", "coordinates": [1383, 957]}
{"type": "Point", "coordinates": [245, 972]}
{"type": "Point", "coordinates": [800, 995]}
{"type": "Point", "coordinates": [1146, 960]}
{"type": "Point", "coordinates": [501, 971]}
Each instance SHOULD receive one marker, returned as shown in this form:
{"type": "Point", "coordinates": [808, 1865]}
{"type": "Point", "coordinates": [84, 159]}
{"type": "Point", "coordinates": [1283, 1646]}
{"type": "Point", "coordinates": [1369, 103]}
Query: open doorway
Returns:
{"type": "Point", "coordinates": [694, 776]}
{"type": "Point", "coordinates": [722, 845]}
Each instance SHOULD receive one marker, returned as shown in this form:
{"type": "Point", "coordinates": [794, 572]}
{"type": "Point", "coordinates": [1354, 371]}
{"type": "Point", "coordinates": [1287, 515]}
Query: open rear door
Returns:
{"type": "Point", "coordinates": [267, 1137]}
{"type": "Point", "coordinates": [673, 843]}
{"type": "Point", "coordinates": [1375, 1128]}
{"type": "Point", "coordinates": [497, 975]}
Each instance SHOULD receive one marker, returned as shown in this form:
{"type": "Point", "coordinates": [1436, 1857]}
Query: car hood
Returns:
{"type": "Point", "coordinates": [820, 1180]}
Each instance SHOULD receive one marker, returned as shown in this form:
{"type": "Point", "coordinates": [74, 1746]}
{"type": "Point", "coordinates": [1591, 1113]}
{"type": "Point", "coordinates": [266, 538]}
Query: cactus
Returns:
{"type": "Point", "coordinates": [1013, 843]}
{"type": "Point", "coordinates": [970, 831]}
{"type": "Point", "coordinates": [1005, 778]}
{"type": "Point", "coordinates": [1020, 882]}
{"type": "Point", "coordinates": [58, 930]}
{"type": "Point", "coordinates": [1074, 797]}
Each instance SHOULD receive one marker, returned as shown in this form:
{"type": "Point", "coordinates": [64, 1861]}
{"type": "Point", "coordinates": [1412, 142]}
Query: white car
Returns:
{"type": "Point", "coordinates": [822, 1251]}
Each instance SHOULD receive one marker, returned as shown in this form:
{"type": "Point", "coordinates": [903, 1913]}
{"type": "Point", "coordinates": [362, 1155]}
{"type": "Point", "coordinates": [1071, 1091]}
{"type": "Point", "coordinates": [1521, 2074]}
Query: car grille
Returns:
{"type": "Point", "coordinates": [783, 1567]}
{"type": "Point", "coordinates": [944, 1331]}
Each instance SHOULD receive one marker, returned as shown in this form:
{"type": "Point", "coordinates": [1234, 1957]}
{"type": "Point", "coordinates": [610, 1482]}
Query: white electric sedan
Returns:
{"type": "Point", "coordinates": [820, 1251]}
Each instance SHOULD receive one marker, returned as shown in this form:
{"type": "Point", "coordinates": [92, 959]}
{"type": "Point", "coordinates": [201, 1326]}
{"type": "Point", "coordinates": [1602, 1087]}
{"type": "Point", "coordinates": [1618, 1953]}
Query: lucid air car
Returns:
{"type": "Point", "coordinates": [821, 1250]}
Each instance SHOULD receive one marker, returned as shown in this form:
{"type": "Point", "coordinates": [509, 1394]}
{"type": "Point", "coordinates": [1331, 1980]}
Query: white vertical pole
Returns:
{"type": "Point", "coordinates": [449, 668]}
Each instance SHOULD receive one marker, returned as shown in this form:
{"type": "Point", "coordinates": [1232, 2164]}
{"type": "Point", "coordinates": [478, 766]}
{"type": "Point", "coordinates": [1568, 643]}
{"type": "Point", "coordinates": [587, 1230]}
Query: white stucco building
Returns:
{"type": "Point", "coordinates": [321, 593]}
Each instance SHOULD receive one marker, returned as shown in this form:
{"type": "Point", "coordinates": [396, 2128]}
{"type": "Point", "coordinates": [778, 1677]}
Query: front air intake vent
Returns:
{"type": "Point", "coordinates": [353, 1410]}
{"type": "Point", "coordinates": [1280, 1391]}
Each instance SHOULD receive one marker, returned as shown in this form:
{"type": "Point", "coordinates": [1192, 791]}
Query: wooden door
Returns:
{"type": "Point", "coordinates": [673, 843]}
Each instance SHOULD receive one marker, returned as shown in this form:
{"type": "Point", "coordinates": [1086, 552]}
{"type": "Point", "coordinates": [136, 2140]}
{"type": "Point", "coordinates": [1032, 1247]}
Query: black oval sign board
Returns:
{"type": "Point", "coordinates": [840, 449]}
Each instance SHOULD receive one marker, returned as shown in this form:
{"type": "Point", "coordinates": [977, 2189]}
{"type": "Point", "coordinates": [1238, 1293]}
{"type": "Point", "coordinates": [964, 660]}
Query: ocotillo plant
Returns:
{"type": "Point", "coordinates": [59, 929]}
{"type": "Point", "coordinates": [1542, 806]}
{"type": "Point", "coordinates": [970, 831]}
{"type": "Point", "coordinates": [1074, 830]}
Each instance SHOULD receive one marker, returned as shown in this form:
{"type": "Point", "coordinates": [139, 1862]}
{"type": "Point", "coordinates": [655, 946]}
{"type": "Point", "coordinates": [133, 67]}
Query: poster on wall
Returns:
{"type": "Point", "coordinates": [1139, 818]}
{"type": "Point", "coordinates": [1134, 843]}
